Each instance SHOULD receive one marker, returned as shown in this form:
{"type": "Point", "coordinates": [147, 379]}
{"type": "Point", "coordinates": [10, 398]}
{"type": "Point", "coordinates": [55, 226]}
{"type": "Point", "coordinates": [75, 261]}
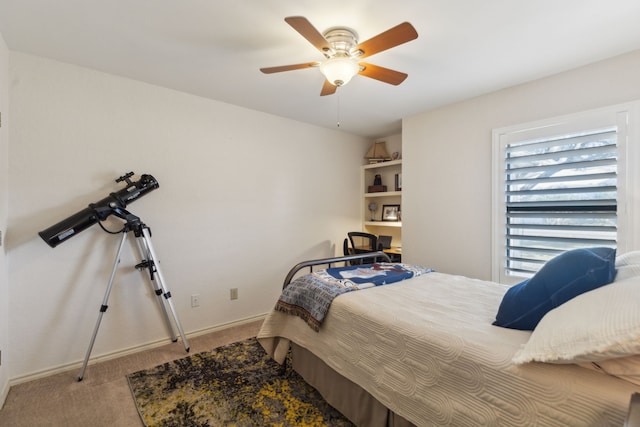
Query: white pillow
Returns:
{"type": "Point", "coordinates": [628, 265]}
{"type": "Point", "coordinates": [598, 325]}
{"type": "Point", "coordinates": [627, 368]}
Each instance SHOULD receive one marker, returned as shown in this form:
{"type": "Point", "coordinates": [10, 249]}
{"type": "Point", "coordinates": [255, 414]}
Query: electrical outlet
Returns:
{"type": "Point", "coordinates": [195, 300]}
{"type": "Point", "coordinates": [233, 293]}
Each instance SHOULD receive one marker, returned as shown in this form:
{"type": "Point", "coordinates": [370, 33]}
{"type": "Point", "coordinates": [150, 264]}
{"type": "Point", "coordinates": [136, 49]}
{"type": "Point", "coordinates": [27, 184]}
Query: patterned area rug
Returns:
{"type": "Point", "coordinates": [234, 385]}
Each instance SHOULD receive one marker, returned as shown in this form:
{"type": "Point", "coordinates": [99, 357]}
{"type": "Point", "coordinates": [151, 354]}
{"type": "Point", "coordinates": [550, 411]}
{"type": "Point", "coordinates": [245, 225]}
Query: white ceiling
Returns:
{"type": "Point", "coordinates": [215, 48]}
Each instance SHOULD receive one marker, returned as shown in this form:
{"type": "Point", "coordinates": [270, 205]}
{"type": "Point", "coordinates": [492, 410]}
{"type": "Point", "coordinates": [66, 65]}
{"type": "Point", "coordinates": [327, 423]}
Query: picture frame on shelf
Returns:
{"type": "Point", "coordinates": [391, 212]}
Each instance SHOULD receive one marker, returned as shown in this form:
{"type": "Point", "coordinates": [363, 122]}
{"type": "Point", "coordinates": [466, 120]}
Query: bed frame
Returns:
{"type": "Point", "coordinates": [330, 261]}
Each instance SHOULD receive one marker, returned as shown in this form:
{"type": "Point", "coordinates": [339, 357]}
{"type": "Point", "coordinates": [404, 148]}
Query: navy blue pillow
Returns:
{"type": "Point", "coordinates": [560, 279]}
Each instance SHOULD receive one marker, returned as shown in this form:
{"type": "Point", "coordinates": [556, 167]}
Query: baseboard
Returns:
{"type": "Point", "coordinates": [120, 353]}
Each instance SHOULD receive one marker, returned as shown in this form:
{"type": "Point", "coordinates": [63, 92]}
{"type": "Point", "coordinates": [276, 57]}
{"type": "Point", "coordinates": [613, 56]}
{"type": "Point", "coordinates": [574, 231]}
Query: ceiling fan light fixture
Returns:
{"type": "Point", "coordinates": [342, 51]}
{"type": "Point", "coordinates": [339, 70]}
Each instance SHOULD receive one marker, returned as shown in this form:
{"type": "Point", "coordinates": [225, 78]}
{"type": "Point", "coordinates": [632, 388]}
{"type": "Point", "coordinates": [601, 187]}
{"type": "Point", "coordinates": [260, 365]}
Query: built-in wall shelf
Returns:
{"type": "Point", "coordinates": [391, 176]}
{"type": "Point", "coordinates": [397, 224]}
{"type": "Point", "coordinates": [383, 164]}
{"type": "Point", "coordinates": [384, 194]}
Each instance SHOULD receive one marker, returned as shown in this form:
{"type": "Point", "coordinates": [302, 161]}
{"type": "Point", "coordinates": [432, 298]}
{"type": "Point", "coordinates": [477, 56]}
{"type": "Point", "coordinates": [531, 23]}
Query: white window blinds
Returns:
{"type": "Point", "coordinates": [560, 194]}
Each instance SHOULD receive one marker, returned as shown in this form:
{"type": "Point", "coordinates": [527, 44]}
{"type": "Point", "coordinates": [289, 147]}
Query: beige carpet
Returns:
{"type": "Point", "coordinates": [103, 397]}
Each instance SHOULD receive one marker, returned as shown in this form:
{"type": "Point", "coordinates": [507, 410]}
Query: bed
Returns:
{"type": "Point", "coordinates": [424, 351]}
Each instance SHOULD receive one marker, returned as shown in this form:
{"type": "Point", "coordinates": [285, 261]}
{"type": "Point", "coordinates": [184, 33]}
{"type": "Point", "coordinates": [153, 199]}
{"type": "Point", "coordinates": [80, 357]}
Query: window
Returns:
{"type": "Point", "coordinates": [559, 184]}
{"type": "Point", "coordinates": [560, 193]}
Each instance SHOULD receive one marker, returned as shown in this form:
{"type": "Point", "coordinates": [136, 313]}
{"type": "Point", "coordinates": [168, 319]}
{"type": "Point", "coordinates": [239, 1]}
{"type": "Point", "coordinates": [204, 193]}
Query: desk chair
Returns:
{"type": "Point", "coordinates": [363, 243]}
{"type": "Point", "coordinates": [345, 247]}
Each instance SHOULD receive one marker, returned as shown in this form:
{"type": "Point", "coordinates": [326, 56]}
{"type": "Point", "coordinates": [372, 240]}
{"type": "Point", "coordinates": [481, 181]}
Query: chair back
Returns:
{"type": "Point", "coordinates": [345, 247]}
{"type": "Point", "coordinates": [363, 242]}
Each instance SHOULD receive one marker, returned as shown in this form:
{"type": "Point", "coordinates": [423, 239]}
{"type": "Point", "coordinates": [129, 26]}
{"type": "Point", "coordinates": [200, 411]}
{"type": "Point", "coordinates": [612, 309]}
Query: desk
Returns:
{"type": "Point", "coordinates": [394, 252]}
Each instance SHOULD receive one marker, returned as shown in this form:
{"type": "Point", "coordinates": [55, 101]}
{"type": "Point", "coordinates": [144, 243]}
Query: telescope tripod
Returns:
{"type": "Point", "coordinates": [148, 256]}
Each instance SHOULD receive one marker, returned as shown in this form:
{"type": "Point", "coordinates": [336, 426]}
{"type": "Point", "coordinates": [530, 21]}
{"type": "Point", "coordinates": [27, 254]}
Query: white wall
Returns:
{"type": "Point", "coordinates": [243, 196]}
{"type": "Point", "coordinates": [4, 289]}
{"type": "Point", "coordinates": [447, 159]}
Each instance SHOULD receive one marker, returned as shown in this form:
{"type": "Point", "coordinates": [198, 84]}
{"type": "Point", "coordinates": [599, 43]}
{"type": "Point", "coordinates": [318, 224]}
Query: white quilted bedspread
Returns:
{"type": "Point", "coordinates": [426, 349]}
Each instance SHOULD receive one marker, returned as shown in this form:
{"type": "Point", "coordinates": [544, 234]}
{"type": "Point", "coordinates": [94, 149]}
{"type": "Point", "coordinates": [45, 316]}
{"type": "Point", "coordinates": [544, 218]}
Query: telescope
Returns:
{"type": "Point", "coordinates": [114, 203]}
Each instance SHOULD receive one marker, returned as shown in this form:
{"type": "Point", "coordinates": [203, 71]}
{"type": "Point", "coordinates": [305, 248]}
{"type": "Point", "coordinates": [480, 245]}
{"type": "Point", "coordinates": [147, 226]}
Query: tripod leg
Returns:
{"type": "Point", "coordinates": [146, 258]}
{"type": "Point", "coordinates": [166, 293]}
{"type": "Point", "coordinates": [103, 307]}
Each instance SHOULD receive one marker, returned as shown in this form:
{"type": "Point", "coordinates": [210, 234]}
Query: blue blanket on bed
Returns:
{"type": "Point", "coordinates": [311, 295]}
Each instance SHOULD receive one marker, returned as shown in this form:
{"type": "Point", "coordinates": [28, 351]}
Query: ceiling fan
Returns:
{"type": "Point", "coordinates": [343, 53]}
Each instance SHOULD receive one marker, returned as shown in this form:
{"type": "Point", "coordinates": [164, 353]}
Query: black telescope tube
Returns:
{"type": "Point", "coordinates": [99, 211]}
{"type": "Point", "coordinates": [69, 227]}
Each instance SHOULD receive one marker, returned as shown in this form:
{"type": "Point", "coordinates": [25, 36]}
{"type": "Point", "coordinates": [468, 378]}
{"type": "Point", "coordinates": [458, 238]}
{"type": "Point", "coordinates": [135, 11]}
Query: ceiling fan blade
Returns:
{"type": "Point", "coordinates": [327, 88]}
{"type": "Point", "coordinates": [309, 32]}
{"type": "Point", "coordinates": [395, 36]}
{"type": "Point", "coordinates": [383, 74]}
{"type": "Point", "coordinates": [269, 70]}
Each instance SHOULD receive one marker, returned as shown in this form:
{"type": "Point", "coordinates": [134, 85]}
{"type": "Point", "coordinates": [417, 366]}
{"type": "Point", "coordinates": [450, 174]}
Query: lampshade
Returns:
{"type": "Point", "coordinates": [377, 152]}
{"type": "Point", "coordinates": [339, 70]}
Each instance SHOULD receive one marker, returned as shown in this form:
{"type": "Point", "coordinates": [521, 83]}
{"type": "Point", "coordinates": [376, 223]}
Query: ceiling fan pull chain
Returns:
{"type": "Point", "coordinates": [338, 113]}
